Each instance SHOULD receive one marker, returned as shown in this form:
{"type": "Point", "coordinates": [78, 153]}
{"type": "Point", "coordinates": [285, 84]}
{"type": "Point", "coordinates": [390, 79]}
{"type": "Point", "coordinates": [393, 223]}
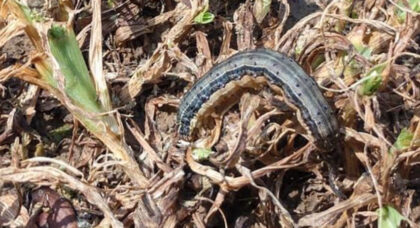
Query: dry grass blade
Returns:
{"type": "Point", "coordinates": [288, 220]}
{"type": "Point", "coordinates": [324, 218]}
{"type": "Point", "coordinates": [61, 164]}
{"type": "Point", "coordinates": [64, 74]}
{"type": "Point", "coordinates": [294, 160]}
{"type": "Point", "coordinates": [35, 174]}
{"type": "Point", "coordinates": [12, 29]}
{"type": "Point", "coordinates": [9, 210]}
{"type": "Point", "coordinates": [131, 32]}
{"type": "Point", "coordinates": [155, 65]}
{"type": "Point", "coordinates": [279, 29]}
{"type": "Point", "coordinates": [95, 57]}
{"type": "Point", "coordinates": [146, 146]}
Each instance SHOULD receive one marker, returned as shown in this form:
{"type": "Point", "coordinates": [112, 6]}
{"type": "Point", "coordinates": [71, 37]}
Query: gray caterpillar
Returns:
{"type": "Point", "coordinates": [277, 69]}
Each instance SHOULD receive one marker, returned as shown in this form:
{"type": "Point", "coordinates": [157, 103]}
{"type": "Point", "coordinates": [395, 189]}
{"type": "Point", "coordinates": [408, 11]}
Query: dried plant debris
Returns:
{"type": "Point", "coordinates": [51, 210]}
{"type": "Point", "coordinates": [89, 94]}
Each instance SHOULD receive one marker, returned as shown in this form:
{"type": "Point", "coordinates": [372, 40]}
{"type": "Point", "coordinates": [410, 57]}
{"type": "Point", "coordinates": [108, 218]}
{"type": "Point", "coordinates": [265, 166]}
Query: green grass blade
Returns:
{"type": "Point", "coordinates": [389, 217]}
{"type": "Point", "coordinates": [373, 80]}
{"type": "Point", "coordinates": [403, 140]}
{"type": "Point", "coordinates": [78, 83]}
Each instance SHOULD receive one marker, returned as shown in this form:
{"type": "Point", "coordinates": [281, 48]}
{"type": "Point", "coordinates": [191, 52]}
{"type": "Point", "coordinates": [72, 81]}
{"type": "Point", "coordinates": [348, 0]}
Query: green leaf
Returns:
{"type": "Point", "coordinates": [79, 85]}
{"type": "Point", "coordinates": [403, 140]}
{"type": "Point", "coordinates": [355, 67]}
{"type": "Point", "coordinates": [366, 51]}
{"type": "Point", "coordinates": [261, 9]}
{"type": "Point", "coordinates": [30, 15]}
{"type": "Point", "coordinates": [360, 47]}
{"type": "Point", "coordinates": [414, 6]}
{"type": "Point", "coordinates": [204, 17]}
{"type": "Point", "coordinates": [110, 3]}
{"type": "Point", "coordinates": [26, 11]}
{"type": "Point", "coordinates": [37, 17]}
{"type": "Point", "coordinates": [389, 217]}
{"type": "Point", "coordinates": [318, 60]}
{"type": "Point", "coordinates": [61, 132]}
{"type": "Point", "coordinates": [372, 80]}
{"type": "Point", "coordinates": [201, 154]}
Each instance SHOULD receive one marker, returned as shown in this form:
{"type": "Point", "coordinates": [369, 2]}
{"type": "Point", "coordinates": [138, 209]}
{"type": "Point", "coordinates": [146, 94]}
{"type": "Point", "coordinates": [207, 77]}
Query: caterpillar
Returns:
{"type": "Point", "coordinates": [261, 65]}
